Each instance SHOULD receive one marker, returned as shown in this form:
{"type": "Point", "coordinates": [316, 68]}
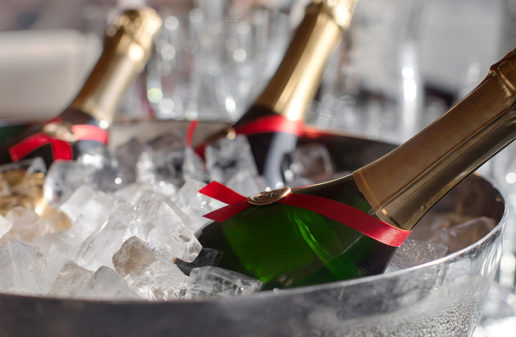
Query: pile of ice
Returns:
{"type": "Point", "coordinates": [135, 214]}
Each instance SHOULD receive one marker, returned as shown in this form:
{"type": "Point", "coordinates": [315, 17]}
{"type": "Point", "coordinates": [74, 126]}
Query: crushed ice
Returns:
{"type": "Point", "coordinates": [134, 215]}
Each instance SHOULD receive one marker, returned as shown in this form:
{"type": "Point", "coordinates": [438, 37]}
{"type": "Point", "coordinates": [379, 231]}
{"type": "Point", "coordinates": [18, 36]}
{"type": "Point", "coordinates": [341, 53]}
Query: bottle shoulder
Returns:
{"type": "Point", "coordinates": [254, 112]}
{"type": "Point", "coordinates": [342, 189]}
{"type": "Point", "coordinates": [76, 117]}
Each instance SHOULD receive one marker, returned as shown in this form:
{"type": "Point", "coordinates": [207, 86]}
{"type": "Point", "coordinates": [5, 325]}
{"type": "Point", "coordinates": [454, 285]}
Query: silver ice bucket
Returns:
{"type": "Point", "coordinates": [439, 298]}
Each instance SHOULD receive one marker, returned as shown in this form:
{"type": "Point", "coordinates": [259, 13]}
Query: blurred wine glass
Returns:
{"type": "Point", "coordinates": [167, 74]}
{"type": "Point", "coordinates": [211, 61]}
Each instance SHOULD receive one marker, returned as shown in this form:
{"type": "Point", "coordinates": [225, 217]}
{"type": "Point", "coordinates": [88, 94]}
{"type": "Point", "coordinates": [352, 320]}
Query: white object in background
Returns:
{"type": "Point", "coordinates": [41, 71]}
{"type": "Point", "coordinates": [456, 33]}
{"type": "Point", "coordinates": [451, 33]}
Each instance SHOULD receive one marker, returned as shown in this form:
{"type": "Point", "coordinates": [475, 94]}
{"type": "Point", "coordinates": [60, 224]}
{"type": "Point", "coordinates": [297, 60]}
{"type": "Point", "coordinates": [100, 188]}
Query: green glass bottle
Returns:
{"type": "Point", "coordinates": [287, 246]}
{"type": "Point", "coordinates": [293, 86]}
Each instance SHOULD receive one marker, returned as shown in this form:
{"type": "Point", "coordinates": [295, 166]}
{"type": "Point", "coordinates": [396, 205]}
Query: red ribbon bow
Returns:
{"type": "Point", "coordinates": [345, 214]}
{"type": "Point", "coordinates": [61, 149]}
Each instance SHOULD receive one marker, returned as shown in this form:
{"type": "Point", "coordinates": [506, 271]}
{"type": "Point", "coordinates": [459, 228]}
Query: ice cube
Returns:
{"type": "Point", "coordinates": [227, 157]}
{"type": "Point", "coordinates": [35, 165]}
{"type": "Point", "coordinates": [310, 162]}
{"type": "Point", "coordinates": [195, 204]}
{"type": "Point", "coordinates": [163, 224]}
{"type": "Point", "coordinates": [77, 282]}
{"type": "Point", "coordinates": [94, 167]}
{"type": "Point", "coordinates": [26, 225]}
{"type": "Point", "coordinates": [469, 232]}
{"type": "Point", "coordinates": [32, 165]}
{"type": "Point", "coordinates": [23, 269]}
{"type": "Point", "coordinates": [75, 205]}
{"type": "Point", "coordinates": [148, 272]}
{"type": "Point", "coordinates": [152, 171]}
{"type": "Point", "coordinates": [218, 282]}
{"type": "Point", "coordinates": [5, 226]}
{"type": "Point", "coordinates": [137, 192]}
{"type": "Point", "coordinates": [207, 257]}
{"type": "Point", "coordinates": [162, 161]}
{"type": "Point", "coordinates": [453, 230]}
{"type": "Point", "coordinates": [193, 166]}
{"type": "Point", "coordinates": [71, 281]}
{"type": "Point", "coordinates": [413, 252]}
{"type": "Point", "coordinates": [85, 201]}
{"type": "Point", "coordinates": [98, 249]}
{"type": "Point", "coordinates": [159, 190]}
{"type": "Point", "coordinates": [106, 175]}
{"type": "Point", "coordinates": [64, 177]}
{"type": "Point", "coordinates": [57, 249]}
{"type": "Point", "coordinates": [101, 225]}
{"type": "Point", "coordinates": [107, 284]}
{"type": "Point", "coordinates": [127, 155]}
{"type": "Point", "coordinates": [246, 183]}
{"type": "Point", "coordinates": [131, 193]}
{"type": "Point", "coordinates": [88, 209]}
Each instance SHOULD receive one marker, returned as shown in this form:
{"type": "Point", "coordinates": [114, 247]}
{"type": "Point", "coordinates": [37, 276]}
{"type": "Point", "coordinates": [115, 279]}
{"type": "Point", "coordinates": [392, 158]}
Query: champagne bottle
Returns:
{"type": "Point", "coordinates": [292, 87]}
{"type": "Point", "coordinates": [289, 246]}
{"type": "Point", "coordinates": [84, 123]}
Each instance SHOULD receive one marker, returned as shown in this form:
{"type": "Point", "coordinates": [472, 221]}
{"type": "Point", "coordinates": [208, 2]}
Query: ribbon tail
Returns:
{"type": "Point", "coordinates": [225, 213]}
{"type": "Point", "coordinates": [351, 217]}
{"type": "Point", "coordinates": [222, 193]}
{"type": "Point", "coordinates": [26, 146]}
{"type": "Point", "coordinates": [190, 132]}
{"type": "Point", "coordinates": [61, 150]}
{"type": "Point", "coordinates": [201, 150]}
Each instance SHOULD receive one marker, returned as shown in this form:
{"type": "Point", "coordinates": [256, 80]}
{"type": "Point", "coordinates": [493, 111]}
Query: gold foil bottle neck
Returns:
{"type": "Point", "coordinates": [504, 71]}
{"type": "Point", "coordinates": [403, 185]}
{"type": "Point", "coordinates": [294, 84]}
{"type": "Point", "coordinates": [340, 10]}
{"type": "Point", "coordinates": [127, 48]}
{"type": "Point", "coordinates": [140, 25]}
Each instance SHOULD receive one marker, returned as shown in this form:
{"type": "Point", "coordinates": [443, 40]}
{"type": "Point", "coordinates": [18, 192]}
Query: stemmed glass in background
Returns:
{"type": "Point", "coordinates": [210, 62]}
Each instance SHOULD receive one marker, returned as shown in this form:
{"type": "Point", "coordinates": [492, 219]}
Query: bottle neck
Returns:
{"type": "Point", "coordinates": [293, 86]}
{"type": "Point", "coordinates": [126, 50]}
{"type": "Point", "coordinates": [404, 184]}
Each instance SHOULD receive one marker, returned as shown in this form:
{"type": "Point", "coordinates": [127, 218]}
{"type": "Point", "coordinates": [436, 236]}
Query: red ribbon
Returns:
{"type": "Point", "coordinates": [61, 149]}
{"type": "Point", "coordinates": [267, 124]}
{"type": "Point", "coordinates": [345, 214]}
{"type": "Point", "coordinates": [90, 132]}
{"type": "Point", "coordinates": [273, 123]}
{"type": "Point", "coordinates": [190, 132]}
